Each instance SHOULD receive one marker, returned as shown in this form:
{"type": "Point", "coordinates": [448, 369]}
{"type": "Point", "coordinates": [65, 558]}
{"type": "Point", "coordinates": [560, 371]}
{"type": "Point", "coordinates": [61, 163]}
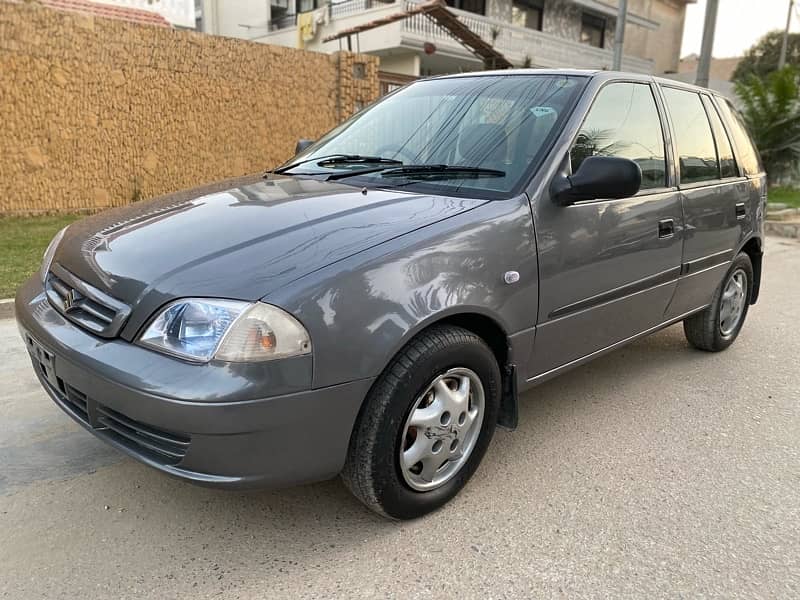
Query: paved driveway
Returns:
{"type": "Point", "coordinates": [656, 471]}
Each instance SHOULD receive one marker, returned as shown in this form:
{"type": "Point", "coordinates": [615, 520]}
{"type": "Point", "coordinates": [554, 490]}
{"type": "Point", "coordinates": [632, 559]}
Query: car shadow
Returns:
{"type": "Point", "coordinates": [624, 375]}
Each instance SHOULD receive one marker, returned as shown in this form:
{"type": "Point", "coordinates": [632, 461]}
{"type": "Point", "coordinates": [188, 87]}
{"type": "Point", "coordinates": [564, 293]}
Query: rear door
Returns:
{"type": "Point", "coordinates": [714, 194]}
{"type": "Point", "coordinates": [749, 163]}
{"type": "Point", "coordinates": [608, 268]}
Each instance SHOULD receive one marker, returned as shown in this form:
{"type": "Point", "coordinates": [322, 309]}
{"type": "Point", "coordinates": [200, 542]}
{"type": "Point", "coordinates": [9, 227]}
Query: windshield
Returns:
{"type": "Point", "coordinates": [492, 128]}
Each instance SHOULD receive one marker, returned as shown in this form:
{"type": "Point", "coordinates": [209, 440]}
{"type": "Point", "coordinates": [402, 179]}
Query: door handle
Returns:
{"type": "Point", "coordinates": [741, 211]}
{"type": "Point", "coordinates": [666, 228]}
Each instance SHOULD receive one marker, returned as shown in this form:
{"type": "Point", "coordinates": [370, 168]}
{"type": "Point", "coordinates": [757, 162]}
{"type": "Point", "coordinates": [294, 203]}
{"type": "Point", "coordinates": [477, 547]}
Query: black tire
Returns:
{"type": "Point", "coordinates": [372, 470]}
{"type": "Point", "coordinates": [703, 329]}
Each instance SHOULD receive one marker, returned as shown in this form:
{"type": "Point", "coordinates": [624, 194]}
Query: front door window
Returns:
{"type": "Point", "coordinates": [624, 122]}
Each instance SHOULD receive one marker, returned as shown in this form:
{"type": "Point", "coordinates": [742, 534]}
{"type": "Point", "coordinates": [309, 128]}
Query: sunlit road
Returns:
{"type": "Point", "coordinates": [657, 471]}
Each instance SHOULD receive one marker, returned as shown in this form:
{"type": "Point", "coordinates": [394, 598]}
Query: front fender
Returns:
{"type": "Point", "coordinates": [362, 310]}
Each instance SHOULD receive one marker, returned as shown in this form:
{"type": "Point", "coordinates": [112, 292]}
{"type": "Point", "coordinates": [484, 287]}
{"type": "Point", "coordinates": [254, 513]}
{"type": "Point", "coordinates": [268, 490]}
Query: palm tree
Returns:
{"type": "Point", "coordinates": [772, 113]}
{"type": "Point", "coordinates": [595, 142]}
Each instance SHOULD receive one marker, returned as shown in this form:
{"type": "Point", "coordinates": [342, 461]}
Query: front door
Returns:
{"type": "Point", "coordinates": [608, 268]}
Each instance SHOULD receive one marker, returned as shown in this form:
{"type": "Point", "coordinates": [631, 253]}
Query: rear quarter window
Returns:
{"type": "Point", "coordinates": [747, 154]}
{"type": "Point", "coordinates": [727, 164]}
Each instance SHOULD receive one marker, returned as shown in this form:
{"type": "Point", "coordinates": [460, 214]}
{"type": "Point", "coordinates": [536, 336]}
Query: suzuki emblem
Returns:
{"type": "Point", "coordinates": [69, 300]}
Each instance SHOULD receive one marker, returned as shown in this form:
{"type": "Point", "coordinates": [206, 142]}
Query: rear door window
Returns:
{"type": "Point", "coordinates": [624, 122]}
{"type": "Point", "coordinates": [697, 153]}
{"type": "Point", "coordinates": [727, 164]}
{"type": "Point", "coordinates": [745, 148]}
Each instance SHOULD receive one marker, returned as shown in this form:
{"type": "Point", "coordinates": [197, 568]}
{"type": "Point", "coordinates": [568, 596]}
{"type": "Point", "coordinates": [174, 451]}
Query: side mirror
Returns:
{"type": "Point", "coordinates": [302, 145]}
{"type": "Point", "coordinates": [598, 177]}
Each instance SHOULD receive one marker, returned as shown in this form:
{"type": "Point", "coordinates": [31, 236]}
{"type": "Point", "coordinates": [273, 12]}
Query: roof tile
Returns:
{"type": "Point", "coordinates": [131, 15]}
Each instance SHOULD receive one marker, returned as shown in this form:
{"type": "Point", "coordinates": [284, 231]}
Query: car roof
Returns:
{"type": "Point", "coordinates": [580, 72]}
{"type": "Point", "coordinates": [592, 73]}
{"type": "Point", "coordinates": [683, 85]}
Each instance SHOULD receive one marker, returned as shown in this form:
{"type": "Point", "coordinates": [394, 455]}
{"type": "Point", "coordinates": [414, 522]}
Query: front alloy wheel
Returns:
{"type": "Point", "coordinates": [425, 425]}
{"type": "Point", "coordinates": [441, 430]}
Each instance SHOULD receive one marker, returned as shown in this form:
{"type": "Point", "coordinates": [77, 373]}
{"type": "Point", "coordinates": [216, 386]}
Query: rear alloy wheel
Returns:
{"type": "Point", "coordinates": [716, 327]}
{"type": "Point", "coordinates": [734, 298]}
{"type": "Point", "coordinates": [425, 425]}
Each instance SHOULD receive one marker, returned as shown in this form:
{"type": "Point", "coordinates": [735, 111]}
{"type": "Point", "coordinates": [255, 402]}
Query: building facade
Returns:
{"type": "Point", "coordinates": [662, 45]}
{"type": "Point", "coordinates": [720, 74]}
{"type": "Point", "coordinates": [537, 33]}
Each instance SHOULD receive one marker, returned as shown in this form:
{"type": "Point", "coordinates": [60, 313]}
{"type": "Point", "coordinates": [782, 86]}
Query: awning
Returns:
{"type": "Point", "coordinates": [612, 11]}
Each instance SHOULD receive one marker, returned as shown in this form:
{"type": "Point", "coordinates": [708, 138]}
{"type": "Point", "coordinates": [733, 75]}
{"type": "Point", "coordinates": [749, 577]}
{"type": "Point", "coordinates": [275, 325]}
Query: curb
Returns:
{"type": "Point", "coordinates": [7, 308]}
{"type": "Point", "coordinates": [789, 229]}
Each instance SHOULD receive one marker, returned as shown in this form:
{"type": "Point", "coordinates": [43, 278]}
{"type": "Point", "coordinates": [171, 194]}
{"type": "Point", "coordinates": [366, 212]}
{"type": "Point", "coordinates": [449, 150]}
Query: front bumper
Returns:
{"type": "Point", "coordinates": [222, 425]}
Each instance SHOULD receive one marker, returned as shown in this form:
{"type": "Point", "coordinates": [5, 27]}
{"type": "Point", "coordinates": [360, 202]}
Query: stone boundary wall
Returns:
{"type": "Point", "coordinates": [98, 113]}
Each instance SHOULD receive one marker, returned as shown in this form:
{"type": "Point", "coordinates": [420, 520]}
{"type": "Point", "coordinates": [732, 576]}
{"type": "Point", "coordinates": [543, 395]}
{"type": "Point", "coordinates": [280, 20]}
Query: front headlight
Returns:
{"type": "Point", "coordinates": [205, 329]}
{"type": "Point", "coordinates": [47, 259]}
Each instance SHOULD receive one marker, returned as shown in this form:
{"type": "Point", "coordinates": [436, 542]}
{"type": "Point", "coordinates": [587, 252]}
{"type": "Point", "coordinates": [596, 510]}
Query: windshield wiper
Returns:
{"type": "Point", "coordinates": [354, 159]}
{"type": "Point", "coordinates": [441, 171]}
{"type": "Point", "coordinates": [340, 159]}
{"type": "Point", "coordinates": [424, 172]}
{"type": "Point", "coordinates": [346, 174]}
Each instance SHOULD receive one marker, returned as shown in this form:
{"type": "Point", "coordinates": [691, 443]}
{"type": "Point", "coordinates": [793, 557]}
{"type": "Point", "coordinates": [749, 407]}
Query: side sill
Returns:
{"type": "Point", "coordinates": [542, 377]}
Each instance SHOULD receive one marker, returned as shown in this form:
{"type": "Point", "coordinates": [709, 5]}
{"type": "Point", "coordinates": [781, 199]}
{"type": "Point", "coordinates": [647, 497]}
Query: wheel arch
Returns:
{"type": "Point", "coordinates": [492, 331]}
{"type": "Point", "coordinates": [754, 249]}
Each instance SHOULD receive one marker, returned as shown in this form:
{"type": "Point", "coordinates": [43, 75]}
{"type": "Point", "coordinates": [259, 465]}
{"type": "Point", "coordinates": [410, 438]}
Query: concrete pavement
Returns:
{"type": "Point", "coordinates": [656, 471]}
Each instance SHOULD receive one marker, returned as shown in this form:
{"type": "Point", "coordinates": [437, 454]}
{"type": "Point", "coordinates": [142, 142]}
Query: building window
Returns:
{"type": "Point", "coordinates": [593, 30]}
{"type": "Point", "coordinates": [306, 5]}
{"type": "Point", "coordinates": [198, 15]}
{"type": "Point", "coordinates": [527, 13]}
{"type": "Point", "coordinates": [473, 6]}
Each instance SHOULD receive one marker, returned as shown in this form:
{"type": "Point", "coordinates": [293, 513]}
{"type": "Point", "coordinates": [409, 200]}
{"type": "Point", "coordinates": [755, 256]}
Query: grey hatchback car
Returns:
{"type": "Point", "coordinates": [374, 307]}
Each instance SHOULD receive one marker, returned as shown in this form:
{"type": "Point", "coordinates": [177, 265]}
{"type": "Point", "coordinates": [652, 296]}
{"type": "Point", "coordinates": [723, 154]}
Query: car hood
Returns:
{"type": "Point", "coordinates": [239, 239]}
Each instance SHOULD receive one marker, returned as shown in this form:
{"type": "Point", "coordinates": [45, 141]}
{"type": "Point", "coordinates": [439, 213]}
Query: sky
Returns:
{"type": "Point", "coordinates": [740, 23]}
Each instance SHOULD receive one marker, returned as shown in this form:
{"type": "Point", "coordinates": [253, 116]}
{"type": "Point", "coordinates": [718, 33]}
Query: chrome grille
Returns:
{"type": "Point", "coordinates": [84, 304]}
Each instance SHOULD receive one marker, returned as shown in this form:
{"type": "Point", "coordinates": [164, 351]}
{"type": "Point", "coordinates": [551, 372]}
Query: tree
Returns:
{"type": "Point", "coordinates": [772, 113]}
{"type": "Point", "coordinates": [762, 57]}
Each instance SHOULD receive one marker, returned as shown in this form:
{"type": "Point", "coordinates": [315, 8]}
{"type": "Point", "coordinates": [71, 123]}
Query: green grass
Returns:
{"type": "Point", "coordinates": [22, 242]}
{"type": "Point", "coordinates": [784, 195]}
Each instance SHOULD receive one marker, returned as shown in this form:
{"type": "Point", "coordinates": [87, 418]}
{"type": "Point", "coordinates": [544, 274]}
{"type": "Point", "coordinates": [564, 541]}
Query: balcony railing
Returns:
{"type": "Point", "coordinates": [336, 10]}
{"type": "Point", "coordinates": [354, 7]}
{"type": "Point", "coordinates": [520, 43]}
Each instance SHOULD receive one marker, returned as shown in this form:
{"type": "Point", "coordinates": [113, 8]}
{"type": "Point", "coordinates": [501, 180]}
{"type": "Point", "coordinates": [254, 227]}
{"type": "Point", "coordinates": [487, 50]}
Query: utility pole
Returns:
{"type": "Point", "coordinates": [782, 59]}
{"type": "Point", "coordinates": [704, 66]}
{"type": "Point", "coordinates": [619, 35]}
